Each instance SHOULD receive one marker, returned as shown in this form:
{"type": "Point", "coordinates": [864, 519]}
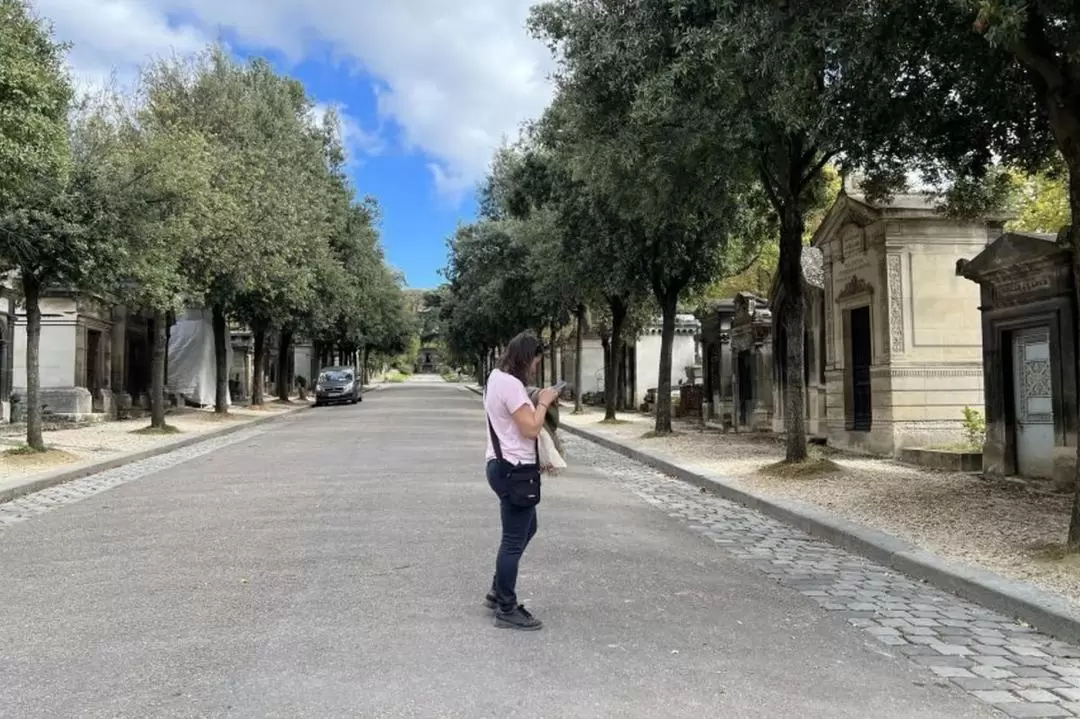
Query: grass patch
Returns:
{"type": "Point", "coordinates": [613, 422]}
{"type": "Point", "coordinates": [24, 456]}
{"type": "Point", "coordinates": [653, 434]}
{"type": "Point", "coordinates": [25, 450]}
{"type": "Point", "coordinates": [812, 467]}
{"type": "Point", "coordinates": [157, 431]}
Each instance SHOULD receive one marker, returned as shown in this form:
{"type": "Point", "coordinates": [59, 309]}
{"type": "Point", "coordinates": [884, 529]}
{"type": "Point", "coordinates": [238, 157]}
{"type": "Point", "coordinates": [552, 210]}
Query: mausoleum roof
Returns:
{"type": "Point", "coordinates": [1012, 252]}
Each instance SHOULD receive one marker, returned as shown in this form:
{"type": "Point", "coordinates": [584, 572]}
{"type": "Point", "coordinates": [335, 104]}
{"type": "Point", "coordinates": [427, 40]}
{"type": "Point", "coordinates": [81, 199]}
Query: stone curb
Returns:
{"type": "Point", "coordinates": [1046, 612]}
{"type": "Point", "coordinates": [36, 484]}
{"type": "Point", "coordinates": [1049, 614]}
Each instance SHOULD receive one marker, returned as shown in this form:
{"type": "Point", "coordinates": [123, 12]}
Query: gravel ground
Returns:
{"type": "Point", "coordinates": [106, 440]}
{"type": "Point", "coordinates": [1000, 526]}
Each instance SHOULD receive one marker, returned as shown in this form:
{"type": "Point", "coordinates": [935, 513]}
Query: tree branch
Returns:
{"type": "Point", "coordinates": [1034, 50]}
{"type": "Point", "coordinates": [767, 182]}
{"type": "Point", "coordinates": [818, 167]}
{"type": "Point", "coordinates": [748, 265]}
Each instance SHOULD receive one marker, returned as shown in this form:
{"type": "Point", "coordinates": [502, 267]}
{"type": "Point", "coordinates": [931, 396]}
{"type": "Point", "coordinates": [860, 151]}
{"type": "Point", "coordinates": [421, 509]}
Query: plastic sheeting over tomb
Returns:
{"type": "Point", "coordinates": [192, 369]}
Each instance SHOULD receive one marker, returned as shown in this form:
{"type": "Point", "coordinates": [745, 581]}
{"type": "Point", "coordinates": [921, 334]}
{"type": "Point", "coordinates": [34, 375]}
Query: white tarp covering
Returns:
{"type": "Point", "coordinates": [192, 369]}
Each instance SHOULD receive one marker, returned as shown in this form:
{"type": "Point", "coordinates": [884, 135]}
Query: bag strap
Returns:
{"type": "Point", "coordinates": [496, 445]}
{"type": "Point", "coordinates": [494, 439]}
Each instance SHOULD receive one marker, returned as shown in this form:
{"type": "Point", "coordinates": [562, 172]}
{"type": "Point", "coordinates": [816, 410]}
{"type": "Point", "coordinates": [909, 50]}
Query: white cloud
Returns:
{"type": "Point", "coordinates": [357, 141]}
{"type": "Point", "coordinates": [459, 75]}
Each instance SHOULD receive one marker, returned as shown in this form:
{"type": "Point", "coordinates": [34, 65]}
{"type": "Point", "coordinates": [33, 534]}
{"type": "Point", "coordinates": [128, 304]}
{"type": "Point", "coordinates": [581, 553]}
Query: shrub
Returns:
{"type": "Point", "coordinates": [974, 428]}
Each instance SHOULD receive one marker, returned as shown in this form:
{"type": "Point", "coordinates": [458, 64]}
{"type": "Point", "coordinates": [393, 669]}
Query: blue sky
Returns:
{"type": "Point", "coordinates": [427, 88]}
{"type": "Point", "coordinates": [417, 218]}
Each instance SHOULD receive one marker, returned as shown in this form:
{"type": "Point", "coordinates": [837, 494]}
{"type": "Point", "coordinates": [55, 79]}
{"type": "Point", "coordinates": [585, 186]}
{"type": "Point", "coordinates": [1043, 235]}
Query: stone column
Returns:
{"type": "Point", "coordinates": [723, 392]}
{"type": "Point", "coordinates": [245, 381]}
{"type": "Point", "coordinates": [119, 372]}
{"type": "Point", "coordinates": [762, 416]}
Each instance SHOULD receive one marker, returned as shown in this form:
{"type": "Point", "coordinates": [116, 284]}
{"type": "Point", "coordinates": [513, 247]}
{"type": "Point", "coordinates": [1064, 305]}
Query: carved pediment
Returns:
{"type": "Point", "coordinates": [750, 308]}
{"type": "Point", "coordinates": [1012, 254]}
{"type": "Point", "coordinates": [855, 287]}
{"type": "Point", "coordinates": [847, 215]}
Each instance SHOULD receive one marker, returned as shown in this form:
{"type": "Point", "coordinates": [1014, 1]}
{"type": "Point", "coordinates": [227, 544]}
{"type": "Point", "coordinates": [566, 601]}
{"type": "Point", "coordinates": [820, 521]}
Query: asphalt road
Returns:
{"type": "Point", "coordinates": [334, 565]}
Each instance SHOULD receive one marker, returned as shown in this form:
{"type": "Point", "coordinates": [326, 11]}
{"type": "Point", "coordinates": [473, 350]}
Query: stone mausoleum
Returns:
{"type": "Point", "coordinates": [7, 349]}
{"type": "Point", "coordinates": [902, 333]}
{"type": "Point", "coordinates": [1028, 303]}
{"type": "Point", "coordinates": [93, 356]}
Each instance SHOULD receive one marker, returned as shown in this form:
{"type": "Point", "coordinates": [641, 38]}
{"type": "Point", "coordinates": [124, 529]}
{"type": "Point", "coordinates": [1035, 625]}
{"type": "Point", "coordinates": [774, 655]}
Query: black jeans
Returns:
{"type": "Point", "coordinates": [518, 527]}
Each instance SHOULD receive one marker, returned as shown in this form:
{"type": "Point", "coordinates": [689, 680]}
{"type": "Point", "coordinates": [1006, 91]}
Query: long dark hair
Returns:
{"type": "Point", "coordinates": [519, 355]}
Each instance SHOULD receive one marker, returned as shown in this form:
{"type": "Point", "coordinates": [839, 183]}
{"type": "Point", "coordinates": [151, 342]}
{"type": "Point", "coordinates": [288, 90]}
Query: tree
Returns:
{"type": "Point", "coordinates": [157, 190]}
{"type": "Point", "coordinates": [39, 202]}
{"type": "Point", "coordinates": [1041, 201]}
{"type": "Point", "coordinates": [674, 174]}
{"type": "Point", "coordinates": [491, 289]}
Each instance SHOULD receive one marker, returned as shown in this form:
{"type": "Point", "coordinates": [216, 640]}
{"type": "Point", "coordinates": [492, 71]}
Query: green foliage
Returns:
{"type": "Point", "coordinates": [210, 185]}
{"type": "Point", "coordinates": [36, 94]}
{"type": "Point", "coordinates": [1040, 202]}
{"type": "Point", "coordinates": [974, 428]}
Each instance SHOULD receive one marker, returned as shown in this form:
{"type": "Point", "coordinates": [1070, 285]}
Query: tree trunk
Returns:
{"type": "Point", "coordinates": [285, 374]}
{"type": "Point", "coordinates": [669, 305]}
{"type": "Point", "coordinates": [554, 353]}
{"type": "Point", "coordinates": [578, 342]}
{"type": "Point", "coordinates": [170, 318]}
{"type": "Point", "coordinates": [626, 382]}
{"type": "Point", "coordinates": [258, 380]}
{"type": "Point", "coordinates": [612, 375]}
{"type": "Point", "coordinates": [32, 295]}
{"type": "Point", "coordinates": [1069, 143]}
{"type": "Point", "coordinates": [364, 378]}
{"type": "Point", "coordinates": [793, 319]}
{"type": "Point", "coordinates": [221, 361]}
{"type": "Point", "coordinates": [157, 370]}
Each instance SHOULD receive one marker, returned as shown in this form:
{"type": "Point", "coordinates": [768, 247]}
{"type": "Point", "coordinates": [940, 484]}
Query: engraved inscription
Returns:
{"type": "Point", "coordinates": [1024, 286]}
{"type": "Point", "coordinates": [853, 241]}
{"type": "Point", "coordinates": [896, 304]}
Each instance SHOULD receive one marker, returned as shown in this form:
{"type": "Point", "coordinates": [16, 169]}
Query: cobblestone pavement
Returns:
{"type": "Point", "coordinates": [998, 660]}
{"type": "Point", "coordinates": [31, 505]}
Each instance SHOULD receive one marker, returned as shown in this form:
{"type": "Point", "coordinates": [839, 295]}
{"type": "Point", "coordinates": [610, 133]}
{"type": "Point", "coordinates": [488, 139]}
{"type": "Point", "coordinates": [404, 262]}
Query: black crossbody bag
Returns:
{"type": "Point", "coordinates": [522, 480]}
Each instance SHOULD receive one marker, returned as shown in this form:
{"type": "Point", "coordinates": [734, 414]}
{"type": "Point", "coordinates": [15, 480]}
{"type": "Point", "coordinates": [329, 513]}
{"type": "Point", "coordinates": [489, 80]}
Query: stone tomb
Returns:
{"type": "Point", "coordinates": [751, 352]}
{"type": "Point", "coordinates": [75, 355]}
{"type": "Point", "coordinates": [813, 349]}
{"type": "Point", "coordinates": [716, 317]}
{"type": "Point", "coordinates": [1029, 355]}
{"type": "Point", "coordinates": [647, 354]}
{"type": "Point", "coordinates": [903, 334]}
{"type": "Point", "coordinates": [7, 349]}
{"type": "Point", "coordinates": [90, 350]}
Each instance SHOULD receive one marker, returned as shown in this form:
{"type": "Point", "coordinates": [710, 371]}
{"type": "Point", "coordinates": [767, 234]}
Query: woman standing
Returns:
{"type": "Point", "coordinates": [513, 469]}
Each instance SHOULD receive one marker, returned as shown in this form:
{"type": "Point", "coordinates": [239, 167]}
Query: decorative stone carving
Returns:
{"type": "Point", "coordinates": [854, 287]}
{"type": "Point", "coordinates": [829, 301]}
{"type": "Point", "coordinates": [896, 304]}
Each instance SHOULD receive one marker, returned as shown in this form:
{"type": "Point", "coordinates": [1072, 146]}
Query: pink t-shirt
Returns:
{"type": "Point", "coordinates": [503, 396]}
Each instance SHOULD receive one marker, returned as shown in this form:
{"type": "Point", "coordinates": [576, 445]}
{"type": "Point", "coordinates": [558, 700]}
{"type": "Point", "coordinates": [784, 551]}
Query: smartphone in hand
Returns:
{"type": "Point", "coordinates": [559, 386]}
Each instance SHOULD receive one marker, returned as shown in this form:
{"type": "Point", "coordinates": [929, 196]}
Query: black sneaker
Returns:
{"type": "Point", "coordinates": [517, 618]}
{"type": "Point", "coordinates": [490, 601]}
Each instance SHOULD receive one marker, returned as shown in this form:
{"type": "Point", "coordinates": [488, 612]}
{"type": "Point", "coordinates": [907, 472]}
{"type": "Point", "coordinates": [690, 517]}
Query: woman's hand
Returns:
{"type": "Point", "coordinates": [548, 396]}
